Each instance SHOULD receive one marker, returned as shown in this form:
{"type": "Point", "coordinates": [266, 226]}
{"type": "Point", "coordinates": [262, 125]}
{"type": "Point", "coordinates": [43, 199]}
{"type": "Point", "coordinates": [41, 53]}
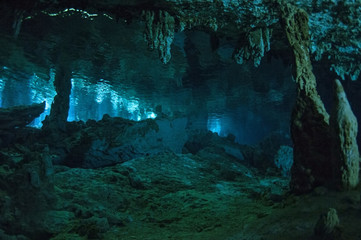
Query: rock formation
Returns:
{"type": "Point", "coordinates": [60, 107]}
{"type": "Point", "coordinates": [334, 25]}
{"type": "Point", "coordinates": [309, 120]}
{"type": "Point", "coordinates": [314, 147]}
{"type": "Point", "coordinates": [327, 226]}
{"type": "Point", "coordinates": [258, 45]}
{"type": "Point", "coordinates": [14, 119]}
{"type": "Point", "coordinates": [159, 32]}
{"type": "Point", "coordinates": [144, 180]}
{"type": "Point", "coordinates": [346, 157]}
{"type": "Point", "coordinates": [19, 116]}
{"type": "Point", "coordinates": [115, 140]}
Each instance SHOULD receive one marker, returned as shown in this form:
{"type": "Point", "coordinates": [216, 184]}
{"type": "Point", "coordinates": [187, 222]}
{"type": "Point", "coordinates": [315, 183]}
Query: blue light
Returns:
{"type": "Point", "coordinates": [133, 105]}
{"type": "Point", "coordinates": [151, 115]}
{"type": "Point", "coordinates": [102, 90]}
{"type": "Point", "coordinates": [214, 124]}
{"type": "Point", "coordinates": [42, 90]}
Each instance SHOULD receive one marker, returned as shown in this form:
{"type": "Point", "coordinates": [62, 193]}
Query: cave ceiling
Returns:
{"type": "Point", "coordinates": [107, 39]}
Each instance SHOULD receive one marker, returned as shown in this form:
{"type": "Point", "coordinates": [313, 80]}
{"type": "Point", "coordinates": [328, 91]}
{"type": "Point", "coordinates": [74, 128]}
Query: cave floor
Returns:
{"type": "Point", "coordinates": [209, 195]}
{"type": "Point", "coordinates": [204, 196]}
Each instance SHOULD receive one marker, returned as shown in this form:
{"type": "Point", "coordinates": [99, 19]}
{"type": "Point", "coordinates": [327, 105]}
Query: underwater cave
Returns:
{"type": "Point", "coordinates": [180, 119]}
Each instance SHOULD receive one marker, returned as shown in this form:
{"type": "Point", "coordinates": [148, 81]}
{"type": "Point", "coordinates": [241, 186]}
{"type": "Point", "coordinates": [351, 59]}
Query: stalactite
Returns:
{"type": "Point", "coordinates": [258, 43]}
{"type": "Point", "coordinates": [159, 32]}
{"type": "Point", "coordinates": [18, 20]}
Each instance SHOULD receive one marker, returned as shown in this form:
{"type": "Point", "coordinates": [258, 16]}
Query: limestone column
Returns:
{"type": "Point", "coordinates": [60, 106]}
{"type": "Point", "coordinates": [309, 120]}
{"type": "Point", "coordinates": [346, 157]}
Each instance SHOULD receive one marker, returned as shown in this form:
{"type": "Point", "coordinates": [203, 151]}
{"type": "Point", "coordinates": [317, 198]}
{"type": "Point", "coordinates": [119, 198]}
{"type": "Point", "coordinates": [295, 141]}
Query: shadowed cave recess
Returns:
{"type": "Point", "coordinates": [180, 119]}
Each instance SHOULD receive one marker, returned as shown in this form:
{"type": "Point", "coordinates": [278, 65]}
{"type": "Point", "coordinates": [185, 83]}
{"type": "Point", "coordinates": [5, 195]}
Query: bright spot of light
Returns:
{"type": "Point", "coordinates": [214, 124]}
{"type": "Point", "coordinates": [151, 115]}
{"type": "Point", "coordinates": [133, 105]}
{"type": "Point", "coordinates": [102, 89]}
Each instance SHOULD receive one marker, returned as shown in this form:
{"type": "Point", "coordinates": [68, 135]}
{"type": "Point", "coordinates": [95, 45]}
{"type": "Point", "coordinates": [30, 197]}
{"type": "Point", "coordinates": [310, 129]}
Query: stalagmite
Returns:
{"type": "Point", "coordinates": [309, 120]}
{"type": "Point", "coordinates": [328, 226]}
{"type": "Point", "coordinates": [60, 107]}
{"type": "Point", "coordinates": [345, 150]}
